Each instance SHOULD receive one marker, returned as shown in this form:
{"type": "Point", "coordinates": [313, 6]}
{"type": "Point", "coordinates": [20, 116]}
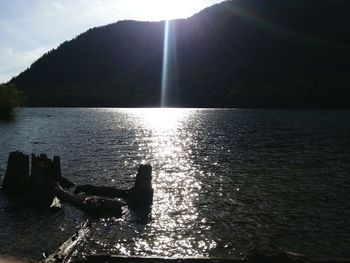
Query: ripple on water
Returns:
{"type": "Point", "coordinates": [223, 180]}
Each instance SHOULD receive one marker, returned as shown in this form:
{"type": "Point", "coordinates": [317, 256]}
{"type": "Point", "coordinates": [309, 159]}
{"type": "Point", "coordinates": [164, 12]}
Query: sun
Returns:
{"type": "Point", "coordinates": [156, 10]}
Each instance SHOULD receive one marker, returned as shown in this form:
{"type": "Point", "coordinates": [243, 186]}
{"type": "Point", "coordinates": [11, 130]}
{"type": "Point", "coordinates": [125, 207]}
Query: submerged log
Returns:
{"type": "Point", "coordinates": [15, 183]}
{"type": "Point", "coordinates": [65, 183]}
{"type": "Point", "coordinates": [98, 206]}
{"type": "Point", "coordinates": [105, 191]}
{"type": "Point", "coordinates": [141, 195]}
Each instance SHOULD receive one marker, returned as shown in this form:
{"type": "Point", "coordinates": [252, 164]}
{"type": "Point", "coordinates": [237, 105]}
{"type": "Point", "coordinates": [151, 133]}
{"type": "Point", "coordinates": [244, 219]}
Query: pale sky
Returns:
{"type": "Point", "coordinates": [29, 28]}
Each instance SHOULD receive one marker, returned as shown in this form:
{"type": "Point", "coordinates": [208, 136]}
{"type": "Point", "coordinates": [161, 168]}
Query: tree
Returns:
{"type": "Point", "coordinates": [10, 101]}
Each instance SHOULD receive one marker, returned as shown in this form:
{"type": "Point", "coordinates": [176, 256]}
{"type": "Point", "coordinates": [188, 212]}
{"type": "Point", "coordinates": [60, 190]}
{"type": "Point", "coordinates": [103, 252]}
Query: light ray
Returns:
{"type": "Point", "coordinates": [165, 69]}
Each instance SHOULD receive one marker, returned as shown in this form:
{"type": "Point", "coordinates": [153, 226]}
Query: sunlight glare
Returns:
{"type": "Point", "coordinates": [169, 9]}
{"type": "Point", "coordinates": [176, 185]}
{"type": "Point", "coordinates": [166, 138]}
{"type": "Point", "coordinates": [164, 119]}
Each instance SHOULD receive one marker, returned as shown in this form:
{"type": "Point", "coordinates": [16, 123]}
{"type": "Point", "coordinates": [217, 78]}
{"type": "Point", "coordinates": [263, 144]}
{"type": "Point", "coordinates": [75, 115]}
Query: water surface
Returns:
{"type": "Point", "coordinates": [224, 180]}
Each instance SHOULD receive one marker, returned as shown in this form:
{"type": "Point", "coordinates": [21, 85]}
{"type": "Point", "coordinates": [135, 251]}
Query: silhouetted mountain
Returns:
{"type": "Point", "coordinates": [240, 53]}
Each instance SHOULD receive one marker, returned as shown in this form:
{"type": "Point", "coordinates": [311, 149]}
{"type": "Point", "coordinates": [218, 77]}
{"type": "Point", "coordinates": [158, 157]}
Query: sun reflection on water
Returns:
{"type": "Point", "coordinates": [163, 119]}
{"type": "Point", "coordinates": [165, 144]}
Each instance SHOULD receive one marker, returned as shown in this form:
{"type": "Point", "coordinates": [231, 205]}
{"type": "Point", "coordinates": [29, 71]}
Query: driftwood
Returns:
{"type": "Point", "coordinates": [140, 259]}
{"type": "Point", "coordinates": [92, 204]}
{"type": "Point", "coordinates": [282, 258]}
{"type": "Point", "coordinates": [261, 254]}
{"type": "Point", "coordinates": [264, 252]}
{"type": "Point", "coordinates": [46, 184]}
{"type": "Point", "coordinates": [140, 196]}
{"type": "Point", "coordinates": [105, 191]}
{"type": "Point", "coordinates": [64, 252]}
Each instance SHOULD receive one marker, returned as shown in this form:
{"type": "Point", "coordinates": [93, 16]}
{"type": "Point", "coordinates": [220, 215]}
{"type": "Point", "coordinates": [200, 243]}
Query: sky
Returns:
{"type": "Point", "coordinates": [30, 28]}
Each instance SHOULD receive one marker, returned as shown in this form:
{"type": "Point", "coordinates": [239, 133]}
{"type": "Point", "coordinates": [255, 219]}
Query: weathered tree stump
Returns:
{"type": "Point", "coordinates": [141, 195]}
{"type": "Point", "coordinates": [46, 184]}
{"type": "Point", "coordinates": [15, 183]}
{"type": "Point", "coordinates": [42, 181]}
{"type": "Point", "coordinates": [38, 189]}
{"type": "Point", "coordinates": [64, 182]}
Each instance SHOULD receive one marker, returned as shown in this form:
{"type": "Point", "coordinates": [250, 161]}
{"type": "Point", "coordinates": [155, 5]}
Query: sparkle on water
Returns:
{"type": "Point", "coordinates": [223, 180]}
{"type": "Point", "coordinates": [174, 215]}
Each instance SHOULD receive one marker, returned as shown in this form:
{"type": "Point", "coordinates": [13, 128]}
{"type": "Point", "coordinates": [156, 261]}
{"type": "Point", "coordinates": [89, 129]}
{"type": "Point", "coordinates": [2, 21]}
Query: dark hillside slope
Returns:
{"type": "Point", "coordinates": [240, 53]}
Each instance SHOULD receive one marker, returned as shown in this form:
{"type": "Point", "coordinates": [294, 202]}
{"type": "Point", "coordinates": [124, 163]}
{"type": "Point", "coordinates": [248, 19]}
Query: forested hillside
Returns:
{"type": "Point", "coordinates": [240, 53]}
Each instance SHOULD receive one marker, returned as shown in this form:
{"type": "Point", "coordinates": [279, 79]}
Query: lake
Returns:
{"type": "Point", "coordinates": [224, 180]}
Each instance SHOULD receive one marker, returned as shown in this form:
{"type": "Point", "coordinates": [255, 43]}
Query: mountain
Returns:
{"type": "Point", "coordinates": [239, 53]}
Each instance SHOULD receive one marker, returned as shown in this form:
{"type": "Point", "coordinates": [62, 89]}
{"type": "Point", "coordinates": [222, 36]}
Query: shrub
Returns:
{"type": "Point", "coordinates": [10, 101]}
